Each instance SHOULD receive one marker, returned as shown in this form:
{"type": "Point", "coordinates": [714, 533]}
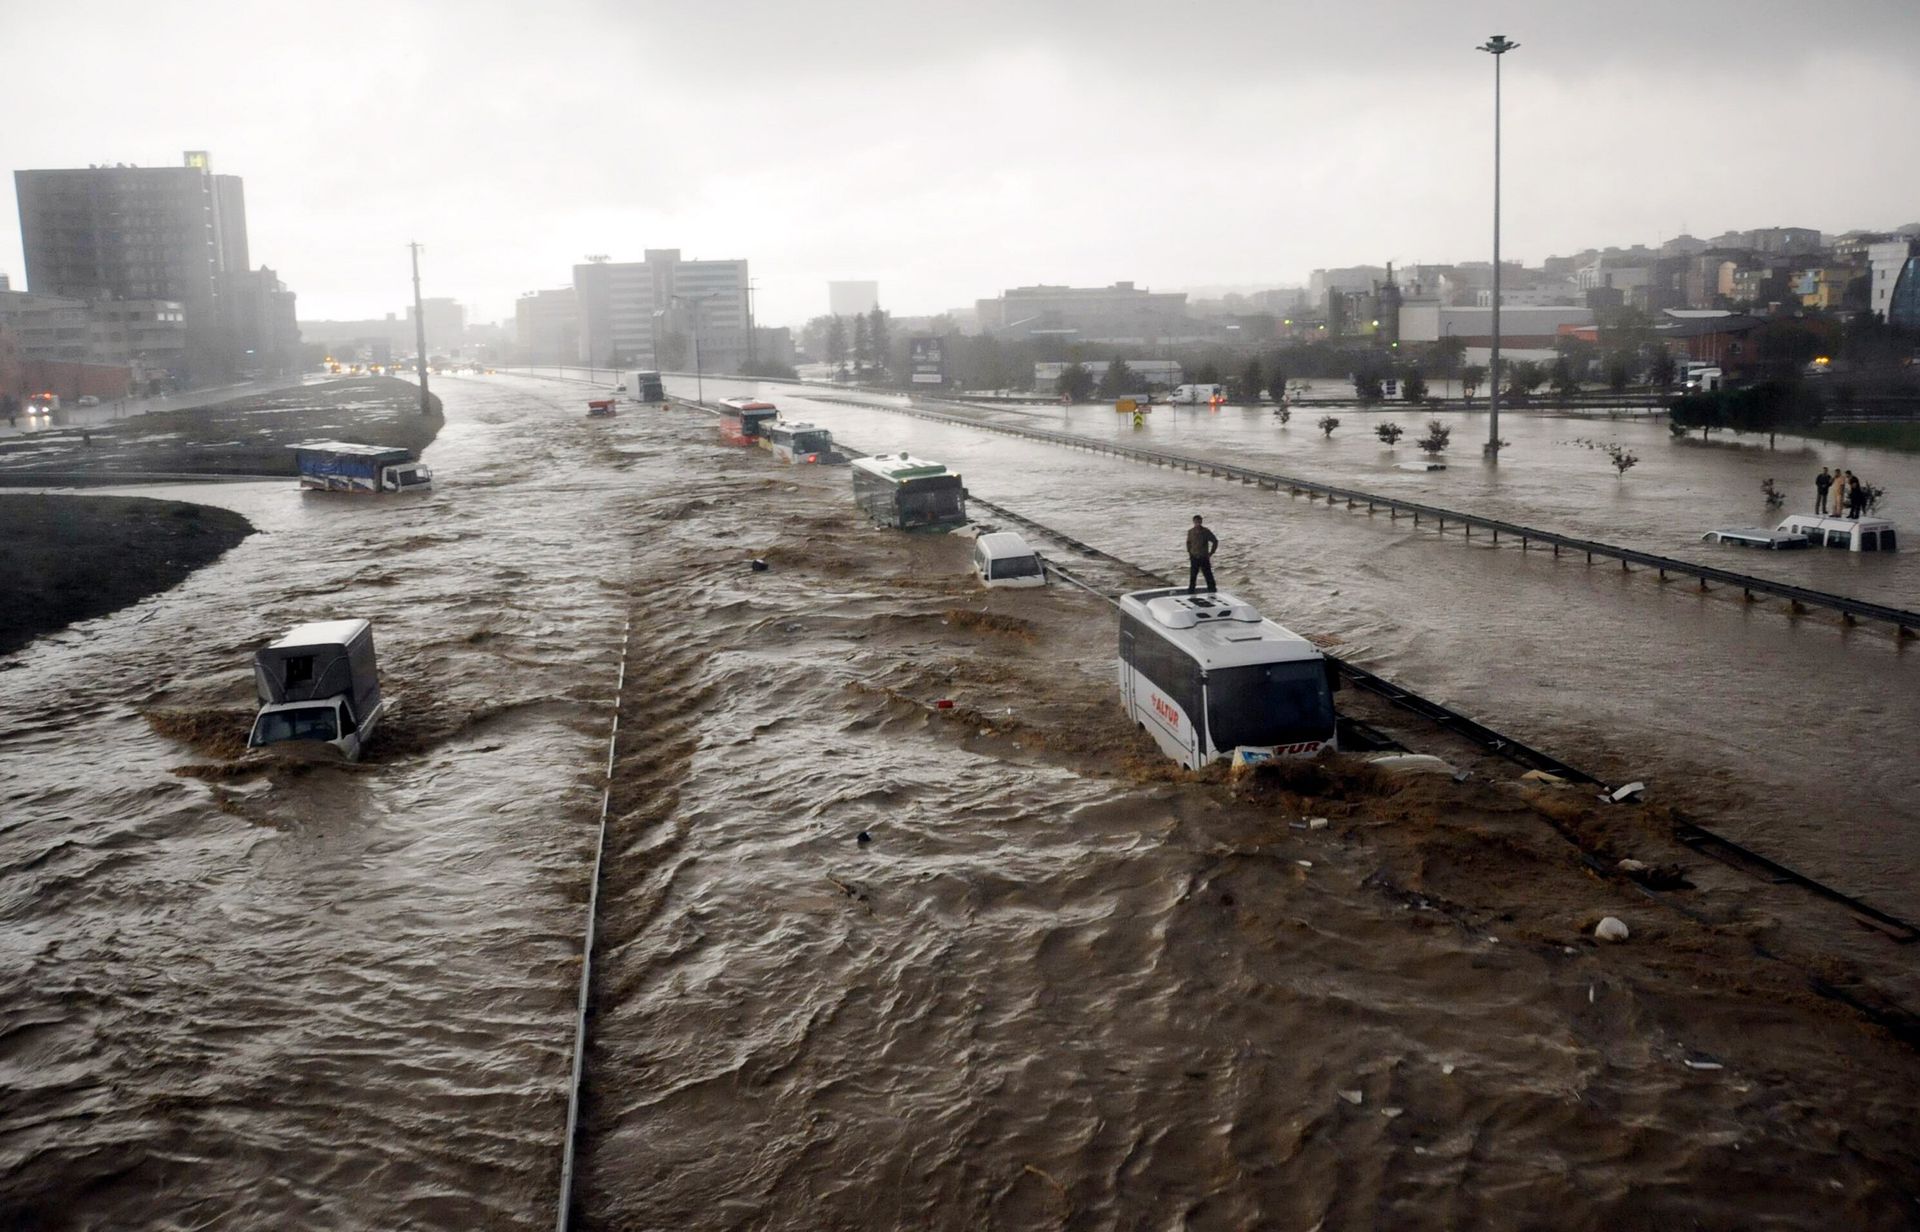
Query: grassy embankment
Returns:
{"type": "Point", "coordinates": [247, 436]}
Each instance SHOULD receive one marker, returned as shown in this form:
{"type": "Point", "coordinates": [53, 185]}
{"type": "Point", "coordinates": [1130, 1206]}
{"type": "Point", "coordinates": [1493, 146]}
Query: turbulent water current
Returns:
{"type": "Point", "coordinates": [1056, 987]}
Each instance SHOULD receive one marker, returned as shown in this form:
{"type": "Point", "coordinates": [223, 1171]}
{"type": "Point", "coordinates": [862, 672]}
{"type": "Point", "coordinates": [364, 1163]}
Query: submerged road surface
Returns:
{"type": "Point", "coordinates": [1057, 987]}
{"type": "Point", "coordinates": [1789, 735]}
{"type": "Point", "coordinates": [326, 996]}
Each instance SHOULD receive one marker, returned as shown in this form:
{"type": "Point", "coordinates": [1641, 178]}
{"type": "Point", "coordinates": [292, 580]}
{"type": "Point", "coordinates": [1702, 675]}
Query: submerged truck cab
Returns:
{"type": "Point", "coordinates": [343, 466]}
{"type": "Point", "coordinates": [319, 682]}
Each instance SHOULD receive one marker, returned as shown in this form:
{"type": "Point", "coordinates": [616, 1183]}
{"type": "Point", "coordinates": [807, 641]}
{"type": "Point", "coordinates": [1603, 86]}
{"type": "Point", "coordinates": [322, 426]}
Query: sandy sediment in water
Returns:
{"type": "Point", "coordinates": [1066, 985]}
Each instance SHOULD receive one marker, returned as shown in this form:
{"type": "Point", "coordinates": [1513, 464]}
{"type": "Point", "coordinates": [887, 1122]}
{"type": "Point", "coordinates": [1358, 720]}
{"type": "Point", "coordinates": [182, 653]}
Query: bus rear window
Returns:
{"type": "Point", "coordinates": [1269, 704]}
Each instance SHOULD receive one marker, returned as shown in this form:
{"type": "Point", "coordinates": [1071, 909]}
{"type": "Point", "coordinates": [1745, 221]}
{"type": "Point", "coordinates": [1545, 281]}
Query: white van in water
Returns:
{"type": "Point", "coordinates": [1005, 559]}
{"type": "Point", "coordinates": [1205, 676]}
{"type": "Point", "coordinates": [1192, 395]}
{"type": "Point", "coordinates": [1853, 534]}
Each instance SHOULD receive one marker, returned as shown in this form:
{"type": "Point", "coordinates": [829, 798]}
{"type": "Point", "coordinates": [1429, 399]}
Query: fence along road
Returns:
{"type": "Point", "coordinates": [1904, 621]}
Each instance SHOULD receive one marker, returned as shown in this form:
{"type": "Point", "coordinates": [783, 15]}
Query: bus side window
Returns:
{"type": "Point", "coordinates": [1333, 674]}
{"type": "Point", "coordinates": [1886, 541]}
{"type": "Point", "coordinates": [1869, 541]}
{"type": "Point", "coordinates": [1839, 539]}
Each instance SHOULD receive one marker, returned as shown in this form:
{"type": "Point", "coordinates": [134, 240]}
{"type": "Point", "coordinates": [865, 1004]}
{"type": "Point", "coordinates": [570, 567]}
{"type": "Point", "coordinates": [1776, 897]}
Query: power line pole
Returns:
{"type": "Point", "coordinates": [420, 330]}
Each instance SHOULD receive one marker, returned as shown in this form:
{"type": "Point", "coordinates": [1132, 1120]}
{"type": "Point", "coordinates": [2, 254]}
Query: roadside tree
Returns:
{"type": "Point", "coordinates": [1076, 384]}
{"type": "Point", "coordinates": [1390, 433]}
{"type": "Point", "coordinates": [837, 344]}
{"type": "Point", "coordinates": [1438, 437]}
{"type": "Point", "coordinates": [1248, 388]}
{"type": "Point", "coordinates": [1327, 424]}
{"type": "Point", "coordinates": [1413, 386]}
{"type": "Point", "coordinates": [1116, 380]}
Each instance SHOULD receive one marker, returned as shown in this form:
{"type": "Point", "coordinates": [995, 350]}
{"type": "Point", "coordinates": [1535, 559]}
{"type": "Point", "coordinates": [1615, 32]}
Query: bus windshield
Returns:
{"type": "Point", "coordinates": [1269, 704]}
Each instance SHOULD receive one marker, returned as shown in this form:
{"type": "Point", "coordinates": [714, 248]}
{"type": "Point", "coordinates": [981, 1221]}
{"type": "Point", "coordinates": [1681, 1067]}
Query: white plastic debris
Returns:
{"type": "Point", "coordinates": [1703, 1065]}
{"type": "Point", "coordinates": [1541, 776]}
{"type": "Point", "coordinates": [1623, 794]}
{"type": "Point", "coordinates": [1353, 1097]}
{"type": "Point", "coordinates": [1304, 863]}
{"type": "Point", "coordinates": [1632, 866]}
{"type": "Point", "coordinates": [1447, 1068]}
{"type": "Point", "coordinates": [1390, 1113]}
{"type": "Point", "coordinates": [1410, 763]}
{"type": "Point", "coordinates": [1316, 823]}
{"type": "Point", "coordinates": [1612, 928]}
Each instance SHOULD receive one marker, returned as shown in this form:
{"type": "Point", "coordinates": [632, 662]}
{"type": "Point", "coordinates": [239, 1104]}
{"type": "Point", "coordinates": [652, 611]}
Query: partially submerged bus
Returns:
{"type": "Point", "coordinates": [1204, 674]}
{"type": "Point", "coordinates": [647, 387]}
{"type": "Point", "coordinates": [909, 493]}
{"type": "Point", "coordinates": [743, 420]}
{"type": "Point", "coordinates": [798, 442]}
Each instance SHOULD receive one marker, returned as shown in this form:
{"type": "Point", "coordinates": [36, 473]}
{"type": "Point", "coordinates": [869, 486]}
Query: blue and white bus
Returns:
{"type": "Point", "coordinates": [1205, 674]}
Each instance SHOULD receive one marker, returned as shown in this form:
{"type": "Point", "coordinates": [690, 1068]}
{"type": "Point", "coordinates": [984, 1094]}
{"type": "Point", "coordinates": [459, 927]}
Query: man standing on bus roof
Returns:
{"type": "Point", "coordinates": [1200, 545]}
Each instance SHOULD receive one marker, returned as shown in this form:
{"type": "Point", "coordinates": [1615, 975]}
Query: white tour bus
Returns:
{"type": "Point", "coordinates": [1205, 675]}
{"type": "Point", "coordinates": [797, 442]}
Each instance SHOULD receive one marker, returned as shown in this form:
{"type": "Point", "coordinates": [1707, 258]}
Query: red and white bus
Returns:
{"type": "Point", "coordinates": [1205, 674]}
{"type": "Point", "coordinates": [744, 420]}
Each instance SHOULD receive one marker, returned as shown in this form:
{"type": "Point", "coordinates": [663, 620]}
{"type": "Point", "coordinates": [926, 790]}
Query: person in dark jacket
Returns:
{"type": "Point", "coordinates": [1821, 483]}
{"type": "Point", "coordinates": [1856, 496]}
{"type": "Point", "coordinates": [1200, 545]}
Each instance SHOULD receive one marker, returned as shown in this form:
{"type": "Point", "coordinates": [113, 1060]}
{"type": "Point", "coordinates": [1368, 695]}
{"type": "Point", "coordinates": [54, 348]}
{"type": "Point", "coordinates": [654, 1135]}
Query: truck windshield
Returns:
{"type": "Point", "coordinates": [1269, 704]}
{"type": "Point", "coordinates": [306, 723]}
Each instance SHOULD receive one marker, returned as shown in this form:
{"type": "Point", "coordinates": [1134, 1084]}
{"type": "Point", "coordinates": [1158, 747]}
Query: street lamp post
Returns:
{"type": "Point", "coordinates": [699, 302]}
{"type": "Point", "coordinates": [1499, 45]}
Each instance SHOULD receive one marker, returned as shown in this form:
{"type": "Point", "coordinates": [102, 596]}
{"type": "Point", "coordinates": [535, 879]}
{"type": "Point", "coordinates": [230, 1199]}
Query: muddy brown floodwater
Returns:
{"type": "Point", "coordinates": [1062, 986]}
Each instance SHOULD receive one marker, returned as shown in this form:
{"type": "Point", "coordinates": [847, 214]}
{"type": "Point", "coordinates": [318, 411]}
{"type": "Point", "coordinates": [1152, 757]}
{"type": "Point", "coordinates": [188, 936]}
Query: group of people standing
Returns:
{"type": "Point", "coordinates": [1840, 493]}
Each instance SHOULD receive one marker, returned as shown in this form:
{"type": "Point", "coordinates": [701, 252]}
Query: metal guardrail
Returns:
{"type": "Point", "coordinates": [1707, 842]}
{"type": "Point", "coordinates": [1904, 621]}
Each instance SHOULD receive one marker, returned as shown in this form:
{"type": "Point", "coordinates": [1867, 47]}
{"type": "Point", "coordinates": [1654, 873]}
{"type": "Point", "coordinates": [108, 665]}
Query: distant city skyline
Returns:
{"type": "Point", "coordinates": [1312, 137]}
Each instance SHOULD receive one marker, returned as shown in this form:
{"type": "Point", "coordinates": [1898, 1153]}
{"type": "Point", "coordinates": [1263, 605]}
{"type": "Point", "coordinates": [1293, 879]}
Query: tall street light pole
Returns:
{"type": "Point", "coordinates": [1499, 45]}
{"type": "Point", "coordinates": [699, 303]}
{"type": "Point", "coordinates": [420, 331]}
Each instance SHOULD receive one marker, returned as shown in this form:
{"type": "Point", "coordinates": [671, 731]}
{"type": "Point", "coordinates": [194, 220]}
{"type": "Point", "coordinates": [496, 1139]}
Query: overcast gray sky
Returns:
{"type": "Point", "coordinates": [950, 150]}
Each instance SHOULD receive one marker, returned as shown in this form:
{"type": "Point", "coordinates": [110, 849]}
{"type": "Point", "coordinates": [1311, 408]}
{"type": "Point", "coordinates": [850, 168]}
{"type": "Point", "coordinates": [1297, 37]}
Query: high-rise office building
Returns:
{"type": "Point", "coordinates": [639, 312]}
{"type": "Point", "coordinates": [144, 233]}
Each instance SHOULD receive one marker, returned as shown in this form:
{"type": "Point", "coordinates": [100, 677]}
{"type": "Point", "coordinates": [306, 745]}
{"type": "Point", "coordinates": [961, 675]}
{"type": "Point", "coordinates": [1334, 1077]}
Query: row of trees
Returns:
{"type": "Point", "coordinates": [1770, 407]}
{"type": "Point", "coordinates": [868, 342]}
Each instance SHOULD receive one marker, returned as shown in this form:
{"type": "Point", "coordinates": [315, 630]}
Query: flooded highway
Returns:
{"type": "Point", "coordinates": [327, 995]}
{"type": "Point", "coordinates": [1789, 735]}
{"type": "Point", "coordinates": [1055, 986]}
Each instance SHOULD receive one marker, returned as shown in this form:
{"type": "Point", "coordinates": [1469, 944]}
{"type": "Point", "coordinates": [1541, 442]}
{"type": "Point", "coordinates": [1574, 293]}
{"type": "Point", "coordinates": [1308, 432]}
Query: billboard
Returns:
{"type": "Point", "coordinates": [927, 360]}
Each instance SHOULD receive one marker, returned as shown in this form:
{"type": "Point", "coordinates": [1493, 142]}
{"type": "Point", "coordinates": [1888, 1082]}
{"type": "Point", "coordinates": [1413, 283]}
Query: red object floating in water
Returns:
{"type": "Point", "coordinates": [945, 703]}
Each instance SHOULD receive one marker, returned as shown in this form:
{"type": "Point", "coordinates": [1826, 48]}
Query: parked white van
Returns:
{"type": "Point", "coordinates": [1193, 395]}
{"type": "Point", "coordinates": [1003, 558]}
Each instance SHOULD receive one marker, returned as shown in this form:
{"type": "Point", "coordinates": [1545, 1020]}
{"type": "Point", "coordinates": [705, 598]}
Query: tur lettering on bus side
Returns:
{"type": "Point", "coordinates": [1165, 711]}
